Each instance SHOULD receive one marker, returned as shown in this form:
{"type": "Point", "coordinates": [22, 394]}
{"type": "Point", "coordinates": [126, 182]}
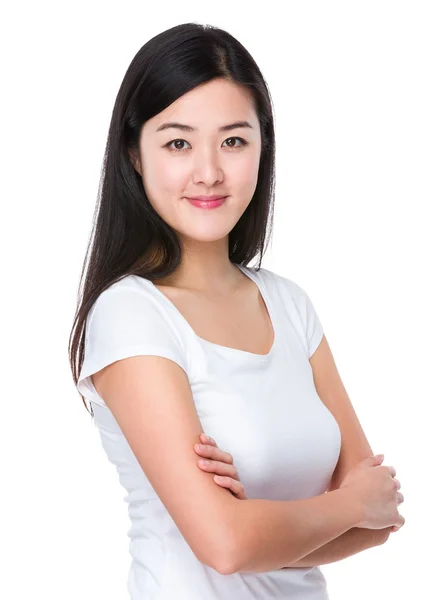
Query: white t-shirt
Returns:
{"type": "Point", "coordinates": [263, 409]}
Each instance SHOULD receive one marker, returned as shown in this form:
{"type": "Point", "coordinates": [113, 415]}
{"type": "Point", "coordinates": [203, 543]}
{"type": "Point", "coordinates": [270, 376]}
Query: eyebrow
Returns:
{"type": "Point", "coordinates": [236, 125]}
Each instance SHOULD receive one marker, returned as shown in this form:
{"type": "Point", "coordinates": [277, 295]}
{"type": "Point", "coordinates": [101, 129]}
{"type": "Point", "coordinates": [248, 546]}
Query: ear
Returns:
{"type": "Point", "coordinates": [134, 159]}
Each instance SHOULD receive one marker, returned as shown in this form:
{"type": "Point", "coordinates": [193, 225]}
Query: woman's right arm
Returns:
{"type": "Point", "coordinates": [273, 534]}
{"type": "Point", "coordinates": [151, 400]}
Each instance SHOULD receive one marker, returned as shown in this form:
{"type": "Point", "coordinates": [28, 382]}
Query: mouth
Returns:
{"type": "Point", "coordinates": [207, 203]}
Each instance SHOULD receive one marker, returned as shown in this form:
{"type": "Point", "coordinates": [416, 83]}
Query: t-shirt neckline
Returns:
{"type": "Point", "coordinates": [236, 352]}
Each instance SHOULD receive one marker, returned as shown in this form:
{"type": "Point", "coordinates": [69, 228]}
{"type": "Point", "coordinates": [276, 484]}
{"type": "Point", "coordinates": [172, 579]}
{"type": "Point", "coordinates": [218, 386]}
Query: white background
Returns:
{"type": "Point", "coordinates": [353, 86]}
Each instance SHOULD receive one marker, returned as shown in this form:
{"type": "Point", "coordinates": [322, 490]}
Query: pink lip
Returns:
{"type": "Point", "coordinates": [208, 202]}
{"type": "Point", "coordinates": [205, 198]}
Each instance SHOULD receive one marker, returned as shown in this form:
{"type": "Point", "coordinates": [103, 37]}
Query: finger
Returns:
{"type": "Point", "coordinates": [205, 439]}
{"type": "Point", "coordinates": [236, 487]}
{"type": "Point", "coordinates": [398, 527]}
{"type": "Point", "coordinates": [213, 453]}
{"type": "Point", "coordinates": [220, 468]}
{"type": "Point", "coordinates": [398, 483]}
{"type": "Point", "coordinates": [400, 498]}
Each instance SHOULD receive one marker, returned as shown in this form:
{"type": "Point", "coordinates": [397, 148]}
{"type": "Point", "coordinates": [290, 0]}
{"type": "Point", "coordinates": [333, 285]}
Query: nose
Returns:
{"type": "Point", "coordinates": [207, 167]}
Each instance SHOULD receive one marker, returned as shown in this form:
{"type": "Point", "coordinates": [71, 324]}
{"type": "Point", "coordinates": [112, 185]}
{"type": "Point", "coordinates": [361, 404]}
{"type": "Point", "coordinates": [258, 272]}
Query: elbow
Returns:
{"type": "Point", "coordinates": [239, 549]}
{"type": "Point", "coordinates": [219, 550]}
{"type": "Point", "coordinates": [225, 568]}
{"type": "Point", "coordinates": [228, 564]}
{"type": "Point", "coordinates": [225, 562]}
{"type": "Point", "coordinates": [233, 554]}
{"type": "Point", "coordinates": [218, 546]}
{"type": "Point", "coordinates": [222, 562]}
{"type": "Point", "coordinates": [228, 560]}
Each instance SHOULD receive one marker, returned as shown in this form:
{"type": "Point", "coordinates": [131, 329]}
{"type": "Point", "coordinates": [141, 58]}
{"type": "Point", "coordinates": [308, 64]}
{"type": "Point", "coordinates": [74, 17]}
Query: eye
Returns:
{"type": "Point", "coordinates": [172, 149]}
{"type": "Point", "coordinates": [176, 149]}
{"type": "Point", "coordinates": [243, 142]}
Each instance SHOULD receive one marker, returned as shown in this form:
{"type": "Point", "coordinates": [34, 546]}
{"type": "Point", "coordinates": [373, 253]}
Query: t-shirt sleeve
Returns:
{"type": "Point", "coordinates": [126, 322]}
{"type": "Point", "coordinates": [311, 322]}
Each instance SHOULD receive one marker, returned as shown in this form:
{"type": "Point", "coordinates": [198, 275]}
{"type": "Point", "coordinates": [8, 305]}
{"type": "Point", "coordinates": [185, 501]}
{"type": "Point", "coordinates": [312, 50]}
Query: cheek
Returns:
{"type": "Point", "coordinates": [164, 174]}
{"type": "Point", "coordinates": [244, 173]}
{"type": "Point", "coordinates": [168, 175]}
{"type": "Point", "coordinates": [163, 181]}
{"type": "Point", "coordinates": [174, 175]}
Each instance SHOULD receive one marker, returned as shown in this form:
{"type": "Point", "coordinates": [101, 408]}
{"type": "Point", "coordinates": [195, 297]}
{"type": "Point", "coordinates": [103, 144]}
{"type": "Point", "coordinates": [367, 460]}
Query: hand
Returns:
{"type": "Point", "coordinates": [378, 488]}
{"type": "Point", "coordinates": [221, 463]}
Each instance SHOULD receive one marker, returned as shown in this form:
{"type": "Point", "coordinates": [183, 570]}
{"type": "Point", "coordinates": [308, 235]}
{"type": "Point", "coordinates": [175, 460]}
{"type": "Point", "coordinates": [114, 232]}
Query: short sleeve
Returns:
{"type": "Point", "coordinates": [127, 321]}
{"type": "Point", "coordinates": [311, 323]}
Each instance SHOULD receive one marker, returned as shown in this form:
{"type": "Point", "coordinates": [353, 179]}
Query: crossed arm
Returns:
{"type": "Point", "coordinates": [354, 448]}
{"type": "Point", "coordinates": [351, 542]}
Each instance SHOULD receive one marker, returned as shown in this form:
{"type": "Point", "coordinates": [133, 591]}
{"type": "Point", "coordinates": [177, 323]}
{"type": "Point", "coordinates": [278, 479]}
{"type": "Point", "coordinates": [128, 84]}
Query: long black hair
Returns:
{"type": "Point", "coordinates": [129, 236]}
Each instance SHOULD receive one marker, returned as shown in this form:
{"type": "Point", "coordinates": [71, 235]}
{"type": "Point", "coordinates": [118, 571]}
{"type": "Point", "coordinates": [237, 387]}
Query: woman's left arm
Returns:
{"type": "Point", "coordinates": [351, 542]}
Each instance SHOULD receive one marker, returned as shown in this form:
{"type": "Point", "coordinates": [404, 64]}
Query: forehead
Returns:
{"type": "Point", "coordinates": [208, 107]}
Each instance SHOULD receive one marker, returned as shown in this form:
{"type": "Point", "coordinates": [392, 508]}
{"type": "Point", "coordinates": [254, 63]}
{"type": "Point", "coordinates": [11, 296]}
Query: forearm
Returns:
{"type": "Point", "coordinates": [270, 534]}
{"type": "Point", "coordinates": [351, 542]}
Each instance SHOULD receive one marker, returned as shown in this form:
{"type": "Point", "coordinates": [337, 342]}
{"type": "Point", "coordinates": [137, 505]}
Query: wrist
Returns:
{"type": "Point", "coordinates": [352, 502]}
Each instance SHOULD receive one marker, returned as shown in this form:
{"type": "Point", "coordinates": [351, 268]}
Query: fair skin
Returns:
{"type": "Point", "coordinates": [205, 161]}
{"type": "Point", "coordinates": [214, 460]}
{"type": "Point", "coordinates": [219, 302]}
{"type": "Point", "coordinates": [175, 164]}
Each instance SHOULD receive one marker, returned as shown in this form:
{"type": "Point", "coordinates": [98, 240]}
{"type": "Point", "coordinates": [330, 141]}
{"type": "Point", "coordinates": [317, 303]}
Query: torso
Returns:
{"type": "Point", "coordinates": [241, 321]}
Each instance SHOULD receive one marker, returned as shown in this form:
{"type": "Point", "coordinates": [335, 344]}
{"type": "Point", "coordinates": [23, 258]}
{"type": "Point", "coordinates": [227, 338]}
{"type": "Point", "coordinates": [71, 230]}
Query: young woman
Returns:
{"type": "Point", "coordinates": [176, 336]}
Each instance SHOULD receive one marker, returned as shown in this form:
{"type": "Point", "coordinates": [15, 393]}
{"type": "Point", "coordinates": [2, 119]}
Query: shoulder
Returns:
{"type": "Point", "coordinates": [281, 283]}
{"type": "Point", "coordinates": [131, 292]}
{"type": "Point", "coordinates": [132, 311]}
{"type": "Point", "coordinates": [129, 318]}
{"type": "Point", "coordinates": [291, 294]}
{"type": "Point", "coordinates": [128, 284]}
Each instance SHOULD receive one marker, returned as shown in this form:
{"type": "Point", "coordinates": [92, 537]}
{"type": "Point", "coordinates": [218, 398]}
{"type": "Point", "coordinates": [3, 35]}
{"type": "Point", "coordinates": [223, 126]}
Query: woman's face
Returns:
{"type": "Point", "coordinates": [178, 163]}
